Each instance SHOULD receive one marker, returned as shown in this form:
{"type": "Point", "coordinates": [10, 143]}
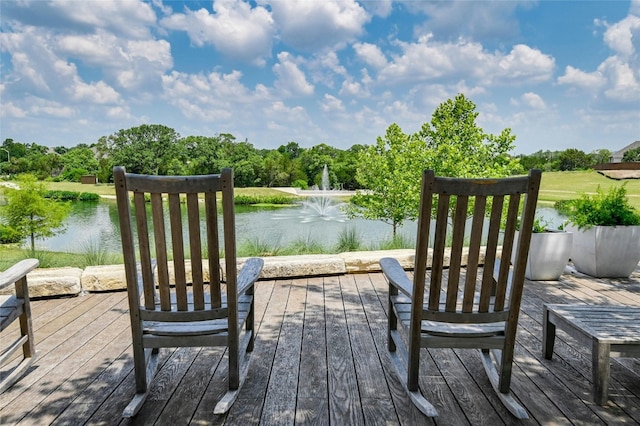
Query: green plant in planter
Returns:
{"type": "Point", "coordinates": [540, 225]}
{"type": "Point", "coordinates": [610, 208]}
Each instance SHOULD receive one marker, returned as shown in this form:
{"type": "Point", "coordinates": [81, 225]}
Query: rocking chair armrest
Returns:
{"type": "Point", "coordinates": [249, 273]}
{"type": "Point", "coordinates": [396, 275]}
{"type": "Point", "coordinates": [17, 271]}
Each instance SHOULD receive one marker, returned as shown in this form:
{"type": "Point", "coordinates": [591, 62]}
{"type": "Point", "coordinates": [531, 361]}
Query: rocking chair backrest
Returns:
{"type": "Point", "coordinates": [177, 295]}
{"type": "Point", "coordinates": [491, 208]}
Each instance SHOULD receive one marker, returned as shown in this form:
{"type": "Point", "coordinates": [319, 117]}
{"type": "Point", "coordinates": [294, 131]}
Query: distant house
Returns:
{"type": "Point", "coordinates": [616, 157]}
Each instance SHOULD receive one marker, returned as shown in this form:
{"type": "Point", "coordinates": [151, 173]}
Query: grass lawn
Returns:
{"type": "Point", "coordinates": [567, 185]}
{"type": "Point", "coordinates": [555, 186]}
{"type": "Point", "coordinates": [109, 189]}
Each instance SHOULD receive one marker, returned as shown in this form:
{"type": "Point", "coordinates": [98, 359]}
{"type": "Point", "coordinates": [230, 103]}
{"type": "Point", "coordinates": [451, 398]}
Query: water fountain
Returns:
{"type": "Point", "coordinates": [321, 206]}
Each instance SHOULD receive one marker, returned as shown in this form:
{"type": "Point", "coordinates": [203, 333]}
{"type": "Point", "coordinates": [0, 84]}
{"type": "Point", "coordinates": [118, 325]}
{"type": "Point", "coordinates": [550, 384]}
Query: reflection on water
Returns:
{"type": "Point", "coordinates": [96, 224]}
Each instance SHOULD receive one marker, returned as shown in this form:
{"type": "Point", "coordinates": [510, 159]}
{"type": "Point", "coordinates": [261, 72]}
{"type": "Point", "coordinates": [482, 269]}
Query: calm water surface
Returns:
{"type": "Point", "coordinates": [90, 224]}
{"type": "Point", "coordinates": [96, 225]}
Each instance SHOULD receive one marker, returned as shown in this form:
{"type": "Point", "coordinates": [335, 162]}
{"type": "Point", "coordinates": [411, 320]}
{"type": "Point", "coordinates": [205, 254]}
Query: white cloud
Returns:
{"type": "Point", "coordinates": [291, 80]}
{"type": "Point", "coordinates": [9, 110]}
{"type": "Point", "coordinates": [127, 17]}
{"type": "Point", "coordinates": [309, 25]}
{"type": "Point", "coordinates": [585, 80]}
{"type": "Point", "coordinates": [96, 93]}
{"type": "Point", "coordinates": [234, 28]}
{"type": "Point", "coordinates": [524, 63]}
{"type": "Point", "coordinates": [130, 63]}
{"type": "Point", "coordinates": [39, 106]}
{"type": "Point", "coordinates": [429, 60]}
{"type": "Point", "coordinates": [131, 18]}
{"type": "Point", "coordinates": [214, 97]}
{"type": "Point", "coordinates": [623, 82]}
{"type": "Point", "coordinates": [533, 100]}
{"type": "Point", "coordinates": [621, 35]}
{"type": "Point", "coordinates": [352, 88]}
{"type": "Point", "coordinates": [381, 8]}
{"type": "Point", "coordinates": [331, 104]}
{"type": "Point", "coordinates": [475, 19]}
{"type": "Point", "coordinates": [370, 54]}
{"type": "Point", "coordinates": [617, 78]}
{"type": "Point", "coordinates": [119, 113]}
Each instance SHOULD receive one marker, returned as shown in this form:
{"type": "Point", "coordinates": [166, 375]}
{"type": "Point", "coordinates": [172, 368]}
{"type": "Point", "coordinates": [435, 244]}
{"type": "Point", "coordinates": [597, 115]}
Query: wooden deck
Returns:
{"type": "Point", "coordinates": [320, 358]}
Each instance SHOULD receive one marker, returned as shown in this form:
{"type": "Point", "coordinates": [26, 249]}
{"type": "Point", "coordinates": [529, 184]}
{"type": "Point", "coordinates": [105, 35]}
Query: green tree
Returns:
{"type": "Point", "coordinates": [600, 156]}
{"type": "Point", "coordinates": [457, 147]}
{"type": "Point", "coordinates": [575, 159]}
{"type": "Point", "coordinates": [292, 150]}
{"type": "Point", "coordinates": [146, 149]}
{"type": "Point", "coordinates": [451, 144]}
{"type": "Point", "coordinates": [204, 153]}
{"type": "Point", "coordinates": [390, 172]}
{"type": "Point", "coordinates": [78, 161]}
{"type": "Point", "coordinates": [543, 160]}
{"type": "Point", "coordinates": [29, 213]}
{"type": "Point", "coordinates": [632, 155]}
{"type": "Point", "coordinates": [244, 159]}
{"type": "Point", "coordinates": [313, 161]}
{"type": "Point", "coordinates": [345, 166]}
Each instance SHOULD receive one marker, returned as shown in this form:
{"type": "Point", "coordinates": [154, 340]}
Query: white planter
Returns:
{"type": "Point", "coordinates": [549, 254]}
{"type": "Point", "coordinates": [606, 251]}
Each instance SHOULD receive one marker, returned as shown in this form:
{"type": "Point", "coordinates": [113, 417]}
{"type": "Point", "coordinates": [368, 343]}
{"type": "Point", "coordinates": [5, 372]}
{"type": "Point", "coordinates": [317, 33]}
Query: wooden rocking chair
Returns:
{"type": "Point", "coordinates": [186, 307]}
{"type": "Point", "coordinates": [477, 308]}
{"type": "Point", "coordinates": [14, 307]}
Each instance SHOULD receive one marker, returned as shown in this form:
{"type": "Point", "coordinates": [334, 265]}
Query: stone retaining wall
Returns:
{"type": "Point", "coordinates": [74, 281]}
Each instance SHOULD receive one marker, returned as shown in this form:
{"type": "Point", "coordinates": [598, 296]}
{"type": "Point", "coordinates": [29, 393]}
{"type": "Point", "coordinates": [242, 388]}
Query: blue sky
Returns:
{"type": "Point", "coordinates": [560, 74]}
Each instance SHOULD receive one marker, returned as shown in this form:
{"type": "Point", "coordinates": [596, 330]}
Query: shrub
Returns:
{"type": "Point", "coordinates": [563, 206]}
{"type": "Point", "coordinates": [603, 209]}
{"type": "Point", "coordinates": [304, 245]}
{"type": "Point", "coordinates": [60, 195]}
{"type": "Point", "coordinates": [398, 241]}
{"type": "Point", "coordinates": [257, 199]}
{"type": "Point", "coordinates": [88, 196]}
{"type": "Point", "coordinates": [8, 235]}
{"type": "Point", "coordinates": [258, 247]}
{"type": "Point", "coordinates": [95, 253]}
{"type": "Point", "coordinates": [349, 240]}
{"type": "Point", "coordinates": [300, 184]}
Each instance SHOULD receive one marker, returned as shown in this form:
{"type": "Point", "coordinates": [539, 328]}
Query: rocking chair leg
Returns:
{"type": "Point", "coordinates": [416, 397]}
{"type": "Point", "coordinates": [507, 399]}
{"type": "Point", "coordinates": [18, 371]}
{"type": "Point", "coordinates": [230, 397]}
{"type": "Point", "coordinates": [139, 398]}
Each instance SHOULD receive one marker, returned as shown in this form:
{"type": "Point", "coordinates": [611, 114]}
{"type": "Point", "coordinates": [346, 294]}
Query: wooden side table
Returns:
{"type": "Point", "coordinates": [611, 330]}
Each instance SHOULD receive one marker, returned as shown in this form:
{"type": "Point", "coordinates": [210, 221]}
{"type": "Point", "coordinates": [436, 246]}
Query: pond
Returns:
{"type": "Point", "coordinates": [319, 221]}
{"type": "Point", "coordinates": [90, 224]}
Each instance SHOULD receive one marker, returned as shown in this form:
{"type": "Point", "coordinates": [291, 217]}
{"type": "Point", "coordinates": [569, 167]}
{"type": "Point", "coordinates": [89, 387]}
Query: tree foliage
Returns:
{"type": "Point", "coordinates": [388, 170]}
{"type": "Point", "coordinates": [78, 161]}
{"type": "Point", "coordinates": [632, 155]}
{"type": "Point", "coordinates": [29, 213]}
{"type": "Point", "coordinates": [145, 149]}
{"type": "Point", "coordinates": [575, 159]}
{"type": "Point", "coordinates": [451, 144]}
{"type": "Point", "coordinates": [457, 147]}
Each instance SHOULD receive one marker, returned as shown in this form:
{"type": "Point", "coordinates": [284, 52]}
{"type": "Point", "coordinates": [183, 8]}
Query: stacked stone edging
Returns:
{"type": "Point", "coordinates": [73, 281]}
{"type": "Point", "coordinates": [52, 282]}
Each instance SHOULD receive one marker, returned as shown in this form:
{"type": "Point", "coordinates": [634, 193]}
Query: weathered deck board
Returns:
{"type": "Point", "coordinates": [320, 358]}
